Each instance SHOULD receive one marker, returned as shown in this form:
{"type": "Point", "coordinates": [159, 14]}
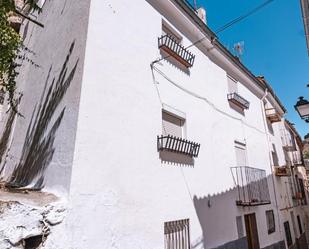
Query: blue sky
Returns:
{"type": "Point", "coordinates": [274, 45]}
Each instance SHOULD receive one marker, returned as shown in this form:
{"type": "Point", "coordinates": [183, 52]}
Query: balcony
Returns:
{"type": "Point", "coordinates": [251, 185]}
{"type": "Point", "coordinates": [238, 100]}
{"type": "Point", "coordinates": [288, 144]}
{"type": "Point", "coordinates": [272, 115]}
{"type": "Point", "coordinates": [282, 171]}
{"type": "Point", "coordinates": [178, 145]}
{"type": "Point", "coordinates": [171, 46]}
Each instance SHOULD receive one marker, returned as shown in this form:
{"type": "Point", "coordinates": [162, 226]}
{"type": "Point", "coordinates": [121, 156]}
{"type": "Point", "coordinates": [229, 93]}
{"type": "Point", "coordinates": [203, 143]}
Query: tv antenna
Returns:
{"type": "Point", "coordinates": [239, 49]}
{"type": "Point", "coordinates": [195, 5]}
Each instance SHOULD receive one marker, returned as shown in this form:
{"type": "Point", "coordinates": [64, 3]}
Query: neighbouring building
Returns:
{"type": "Point", "coordinates": [141, 130]}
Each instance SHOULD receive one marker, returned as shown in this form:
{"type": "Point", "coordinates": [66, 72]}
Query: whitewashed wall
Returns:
{"type": "Point", "coordinates": [121, 193]}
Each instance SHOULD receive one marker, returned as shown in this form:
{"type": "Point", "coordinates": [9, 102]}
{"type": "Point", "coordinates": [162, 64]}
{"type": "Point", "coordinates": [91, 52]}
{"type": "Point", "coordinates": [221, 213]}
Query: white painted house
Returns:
{"type": "Point", "coordinates": [152, 132]}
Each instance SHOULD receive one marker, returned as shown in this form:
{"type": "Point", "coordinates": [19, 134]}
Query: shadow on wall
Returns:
{"type": "Point", "coordinates": [177, 159]}
{"type": "Point", "coordinates": [211, 208]}
{"type": "Point", "coordinates": [227, 208]}
{"type": "Point", "coordinates": [38, 148]}
{"type": "Point", "coordinates": [5, 138]}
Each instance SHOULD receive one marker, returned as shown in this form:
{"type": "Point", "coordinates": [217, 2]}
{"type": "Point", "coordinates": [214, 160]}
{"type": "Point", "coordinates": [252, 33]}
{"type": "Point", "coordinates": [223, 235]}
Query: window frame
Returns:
{"type": "Point", "coordinates": [271, 228]}
{"type": "Point", "coordinates": [288, 235]}
{"type": "Point", "coordinates": [300, 227]}
{"type": "Point", "coordinates": [173, 115]}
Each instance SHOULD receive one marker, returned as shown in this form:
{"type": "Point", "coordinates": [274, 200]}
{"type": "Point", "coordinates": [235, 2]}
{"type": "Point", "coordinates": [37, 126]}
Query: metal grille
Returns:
{"type": "Point", "coordinates": [177, 234]}
{"type": "Point", "coordinates": [178, 145]}
{"type": "Point", "coordinates": [238, 100]}
{"type": "Point", "coordinates": [252, 186]}
{"type": "Point", "coordinates": [170, 45]}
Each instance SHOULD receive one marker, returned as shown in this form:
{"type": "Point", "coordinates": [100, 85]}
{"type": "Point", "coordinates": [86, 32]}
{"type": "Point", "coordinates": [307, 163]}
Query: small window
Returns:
{"type": "Point", "coordinates": [288, 233]}
{"type": "Point", "coordinates": [275, 156]}
{"type": "Point", "coordinates": [168, 30]}
{"type": "Point", "coordinates": [299, 224]}
{"type": "Point", "coordinates": [177, 233]}
{"type": "Point", "coordinates": [270, 220]}
{"type": "Point", "coordinates": [241, 154]}
{"type": "Point", "coordinates": [240, 227]}
{"type": "Point", "coordinates": [172, 125]}
{"type": "Point", "coordinates": [232, 84]}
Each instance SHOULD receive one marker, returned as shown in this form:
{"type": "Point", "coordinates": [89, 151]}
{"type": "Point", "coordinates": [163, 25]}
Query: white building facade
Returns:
{"type": "Point", "coordinates": [153, 132]}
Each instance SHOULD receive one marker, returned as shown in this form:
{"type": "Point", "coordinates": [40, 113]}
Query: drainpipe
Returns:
{"type": "Point", "coordinates": [270, 160]}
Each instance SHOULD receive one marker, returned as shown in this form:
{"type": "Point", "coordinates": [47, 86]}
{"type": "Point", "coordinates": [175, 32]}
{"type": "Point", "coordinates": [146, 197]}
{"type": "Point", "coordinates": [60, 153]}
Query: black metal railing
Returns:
{"type": "Point", "coordinates": [178, 145]}
{"type": "Point", "coordinates": [252, 186]}
{"type": "Point", "coordinates": [170, 45]}
{"type": "Point", "coordinates": [238, 100]}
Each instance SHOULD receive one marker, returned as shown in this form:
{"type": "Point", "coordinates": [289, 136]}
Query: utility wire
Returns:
{"type": "Point", "coordinates": [238, 19]}
{"type": "Point", "coordinates": [226, 26]}
{"type": "Point", "coordinates": [201, 98]}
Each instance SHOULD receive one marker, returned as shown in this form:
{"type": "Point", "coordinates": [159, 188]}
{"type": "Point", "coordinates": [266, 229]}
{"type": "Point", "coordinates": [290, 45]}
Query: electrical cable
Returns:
{"type": "Point", "coordinates": [201, 98]}
{"type": "Point", "coordinates": [238, 19]}
{"type": "Point", "coordinates": [227, 25]}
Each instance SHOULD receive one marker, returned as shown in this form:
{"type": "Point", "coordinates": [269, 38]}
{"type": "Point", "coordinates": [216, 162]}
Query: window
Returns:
{"type": "Point", "coordinates": [275, 156]}
{"type": "Point", "coordinates": [241, 154]}
{"type": "Point", "coordinates": [232, 84]}
{"type": "Point", "coordinates": [168, 30]}
{"type": "Point", "coordinates": [172, 125]}
{"type": "Point", "coordinates": [299, 225]}
{"type": "Point", "coordinates": [177, 234]}
{"type": "Point", "coordinates": [240, 227]}
{"type": "Point", "coordinates": [270, 220]}
{"type": "Point", "coordinates": [288, 233]}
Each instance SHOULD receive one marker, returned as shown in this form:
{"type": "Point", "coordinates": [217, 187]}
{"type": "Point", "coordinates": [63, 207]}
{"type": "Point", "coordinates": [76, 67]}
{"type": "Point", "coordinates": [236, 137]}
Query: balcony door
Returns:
{"type": "Point", "coordinates": [252, 231]}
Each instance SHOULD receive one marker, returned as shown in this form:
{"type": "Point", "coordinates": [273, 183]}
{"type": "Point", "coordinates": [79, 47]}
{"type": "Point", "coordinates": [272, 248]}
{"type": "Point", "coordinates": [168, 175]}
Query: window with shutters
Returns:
{"type": "Point", "coordinates": [288, 235]}
{"type": "Point", "coordinates": [172, 125]}
{"type": "Point", "coordinates": [270, 221]}
{"type": "Point", "coordinates": [241, 154]}
{"type": "Point", "coordinates": [177, 234]}
{"type": "Point", "coordinates": [173, 137]}
{"type": "Point", "coordinates": [233, 96]}
{"type": "Point", "coordinates": [169, 30]}
{"type": "Point", "coordinates": [170, 44]}
{"type": "Point", "coordinates": [240, 227]}
{"type": "Point", "coordinates": [232, 84]}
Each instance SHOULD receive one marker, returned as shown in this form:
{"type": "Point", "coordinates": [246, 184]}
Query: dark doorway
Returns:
{"type": "Point", "coordinates": [252, 232]}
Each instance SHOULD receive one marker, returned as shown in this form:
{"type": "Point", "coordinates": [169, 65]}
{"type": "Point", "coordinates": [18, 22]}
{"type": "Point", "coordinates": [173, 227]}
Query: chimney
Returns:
{"type": "Point", "coordinates": [201, 12]}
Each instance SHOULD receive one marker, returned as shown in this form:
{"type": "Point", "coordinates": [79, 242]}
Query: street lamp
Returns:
{"type": "Point", "coordinates": [302, 107]}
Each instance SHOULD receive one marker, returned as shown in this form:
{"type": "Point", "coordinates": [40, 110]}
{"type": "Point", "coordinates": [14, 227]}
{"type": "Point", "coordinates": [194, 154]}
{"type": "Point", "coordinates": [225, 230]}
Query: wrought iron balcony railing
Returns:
{"type": "Point", "coordinates": [171, 46]}
{"type": "Point", "coordinates": [252, 186]}
{"type": "Point", "coordinates": [238, 100]}
{"type": "Point", "coordinates": [272, 115]}
{"type": "Point", "coordinates": [178, 145]}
